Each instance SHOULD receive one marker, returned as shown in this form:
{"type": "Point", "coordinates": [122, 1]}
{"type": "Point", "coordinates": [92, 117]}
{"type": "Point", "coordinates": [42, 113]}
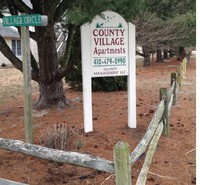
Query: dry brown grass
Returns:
{"type": "Point", "coordinates": [11, 84]}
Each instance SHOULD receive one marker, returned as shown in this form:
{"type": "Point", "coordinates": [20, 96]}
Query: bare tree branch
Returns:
{"type": "Point", "coordinates": [152, 31]}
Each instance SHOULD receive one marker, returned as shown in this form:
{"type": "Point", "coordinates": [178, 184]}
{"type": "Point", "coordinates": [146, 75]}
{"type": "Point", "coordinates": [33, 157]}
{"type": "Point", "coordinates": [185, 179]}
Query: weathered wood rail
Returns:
{"type": "Point", "coordinates": [141, 147]}
{"type": "Point", "coordinates": [152, 147]}
{"type": "Point", "coordinates": [61, 156]}
{"type": "Point", "coordinates": [8, 182]}
{"type": "Point", "coordinates": [123, 160]}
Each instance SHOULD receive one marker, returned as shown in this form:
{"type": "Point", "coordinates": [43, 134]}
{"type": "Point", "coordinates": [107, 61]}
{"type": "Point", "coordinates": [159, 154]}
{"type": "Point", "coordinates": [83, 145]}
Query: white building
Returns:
{"type": "Point", "coordinates": [12, 38]}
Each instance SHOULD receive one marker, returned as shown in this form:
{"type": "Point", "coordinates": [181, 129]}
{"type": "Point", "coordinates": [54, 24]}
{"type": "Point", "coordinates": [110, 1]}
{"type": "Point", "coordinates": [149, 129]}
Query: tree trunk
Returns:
{"type": "Point", "coordinates": [166, 56]}
{"type": "Point", "coordinates": [50, 84]}
{"type": "Point", "coordinates": [147, 60]}
{"type": "Point", "coordinates": [159, 56]}
{"type": "Point", "coordinates": [51, 95]}
{"type": "Point", "coordinates": [147, 55]}
{"type": "Point", "coordinates": [171, 53]}
{"type": "Point", "coordinates": [182, 53]}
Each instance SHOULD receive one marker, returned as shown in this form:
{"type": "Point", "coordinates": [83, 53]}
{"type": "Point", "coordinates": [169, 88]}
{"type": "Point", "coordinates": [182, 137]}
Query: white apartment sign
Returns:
{"type": "Point", "coordinates": [109, 43]}
{"type": "Point", "coordinates": [108, 49]}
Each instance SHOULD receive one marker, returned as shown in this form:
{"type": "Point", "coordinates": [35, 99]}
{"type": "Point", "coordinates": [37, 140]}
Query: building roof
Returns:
{"type": "Point", "coordinates": [8, 32]}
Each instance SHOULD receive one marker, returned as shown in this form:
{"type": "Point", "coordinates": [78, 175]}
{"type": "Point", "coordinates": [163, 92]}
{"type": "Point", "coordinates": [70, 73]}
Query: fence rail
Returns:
{"type": "Point", "coordinates": [75, 158]}
{"type": "Point", "coordinates": [152, 147]}
{"type": "Point", "coordinates": [123, 160]}
{"type": "Point", "coordinates": [8, 182]}
{"type": "Point", "coordinates": [141, 147]}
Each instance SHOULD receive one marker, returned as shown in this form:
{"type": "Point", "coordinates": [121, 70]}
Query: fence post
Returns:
{"type": "Point", "coordinates": [180, 77]}
{"type": "Point", "coordinates": [174, 79]}
{"type": "Point", "coordinates": [165, 117]}
{"type": "Point", "coordinates": [183, 69]}
{"type": "Point", "coordinates": [122, 164]}
{"type": "Point", "coordinates": [185, 65]}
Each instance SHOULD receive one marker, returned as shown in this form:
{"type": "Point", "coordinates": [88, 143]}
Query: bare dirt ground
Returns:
{"type": "Point", "coordinates": [175, 157]}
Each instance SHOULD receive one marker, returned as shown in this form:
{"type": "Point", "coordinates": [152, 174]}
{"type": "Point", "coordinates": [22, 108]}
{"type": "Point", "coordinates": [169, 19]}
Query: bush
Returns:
{"type": "Point", "coordinates": [110, 83]}
{"type": "Point", "coordinates": [62, 137]}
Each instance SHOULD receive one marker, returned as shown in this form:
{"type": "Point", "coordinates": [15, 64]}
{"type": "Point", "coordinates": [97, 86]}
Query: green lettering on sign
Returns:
{"type": "Point", "coordinates": [25, 20]}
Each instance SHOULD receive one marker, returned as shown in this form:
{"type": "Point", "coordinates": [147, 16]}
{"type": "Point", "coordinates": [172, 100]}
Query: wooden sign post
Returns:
{"type": "Point", "coordinates": [25, 21]}
{"type": "Point", "coordinates": [27, 84]}
{"type": "Point", "coordinates": [108, 49]}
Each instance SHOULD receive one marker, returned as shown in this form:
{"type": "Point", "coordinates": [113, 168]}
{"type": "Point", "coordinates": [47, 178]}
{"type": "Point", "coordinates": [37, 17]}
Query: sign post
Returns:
{"type": "Point", "coordinates": [25, 21]}
{"type": "Point", "coordinates": [27, 84]}
{"type": "Point", "coordinates": [109, 50]}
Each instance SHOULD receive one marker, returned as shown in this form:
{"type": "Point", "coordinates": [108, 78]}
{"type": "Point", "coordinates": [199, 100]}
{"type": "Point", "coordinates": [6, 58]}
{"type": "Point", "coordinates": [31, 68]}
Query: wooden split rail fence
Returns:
{"type": "Point", "coordinates": [123, 160]}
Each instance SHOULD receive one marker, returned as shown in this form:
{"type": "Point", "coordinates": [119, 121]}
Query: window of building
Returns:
{"type": "Point", "coordinates": [16, 47]}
